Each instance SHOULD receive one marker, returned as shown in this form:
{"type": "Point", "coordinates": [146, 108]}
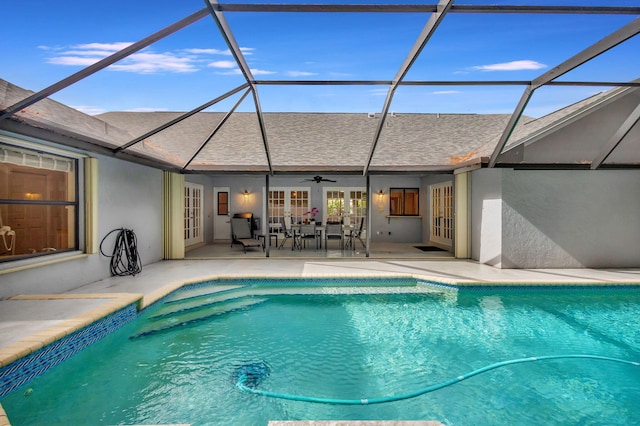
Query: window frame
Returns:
{"type": "Point", "coordinates": [77, 201]}
{"type": "Point", "coordinates": [403, 201]}
{"type": "Point", "coordinates": [220, 203]}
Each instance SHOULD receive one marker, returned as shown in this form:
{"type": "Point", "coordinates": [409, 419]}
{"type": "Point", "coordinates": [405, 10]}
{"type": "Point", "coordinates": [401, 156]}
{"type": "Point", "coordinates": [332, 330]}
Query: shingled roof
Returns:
{"type": "Point", "coordinates": [337, 142]}
{"type": "Point", "coordinates": [318, 141]}
{"type": "Point", "coordinates": [601, 130]}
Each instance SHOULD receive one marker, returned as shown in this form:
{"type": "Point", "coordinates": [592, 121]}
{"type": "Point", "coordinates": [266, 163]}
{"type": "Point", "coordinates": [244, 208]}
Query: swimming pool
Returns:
{"type": "Point", "coordinates": [176, 363]}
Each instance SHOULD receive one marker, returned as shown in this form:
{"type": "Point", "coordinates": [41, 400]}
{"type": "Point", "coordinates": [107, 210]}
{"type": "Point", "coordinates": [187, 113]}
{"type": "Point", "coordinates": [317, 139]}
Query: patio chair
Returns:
{"type": "Point", "coordinates": [332, 231]}
{"type": "Point", "coordinates": [287, 233]}
{"type": "Point", "coordinates": [356, 234]}
{"type": "Point", "coordinates": [241, 234]}
{"type": "Point", "coordinates": [308, 232]}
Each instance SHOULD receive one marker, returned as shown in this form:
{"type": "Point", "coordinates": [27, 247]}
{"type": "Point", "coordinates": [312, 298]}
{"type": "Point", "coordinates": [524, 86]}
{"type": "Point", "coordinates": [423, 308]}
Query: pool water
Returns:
{"type": "Point", "coordinates": [359, 346]}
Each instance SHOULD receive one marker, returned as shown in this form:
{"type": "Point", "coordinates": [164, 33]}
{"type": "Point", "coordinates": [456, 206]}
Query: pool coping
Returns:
{"type": "Point", "coordinates": [30, 344]}
{"type": "Point", "coordinates": [117, 301]}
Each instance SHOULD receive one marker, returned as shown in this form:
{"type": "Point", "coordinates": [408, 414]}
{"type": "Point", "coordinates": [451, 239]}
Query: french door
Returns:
{"type": "Point", "coordinates": [288, 204]}
{"type": "Point", "coordinates": [193, 232]}
{"type": "Point", "coordinates": [441, 214]}
{"type": "Point", "coordinates": [345, 205]}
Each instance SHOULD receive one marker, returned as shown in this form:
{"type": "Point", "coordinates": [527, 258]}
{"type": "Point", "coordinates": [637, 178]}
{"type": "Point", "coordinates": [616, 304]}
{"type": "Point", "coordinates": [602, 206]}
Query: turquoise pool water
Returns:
{"type": "Point", "coordinates": [176, 363]}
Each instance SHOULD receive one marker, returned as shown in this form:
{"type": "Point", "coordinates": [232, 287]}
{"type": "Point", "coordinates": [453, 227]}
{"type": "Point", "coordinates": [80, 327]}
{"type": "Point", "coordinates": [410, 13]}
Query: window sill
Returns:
{"type": "Point", "coordinates": [24, 264]}
{"type": "Point", "coordinates": [403, 217]}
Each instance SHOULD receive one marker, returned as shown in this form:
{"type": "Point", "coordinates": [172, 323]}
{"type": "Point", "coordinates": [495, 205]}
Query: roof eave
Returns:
{"type": "Point", "coordinates": [34, 129]}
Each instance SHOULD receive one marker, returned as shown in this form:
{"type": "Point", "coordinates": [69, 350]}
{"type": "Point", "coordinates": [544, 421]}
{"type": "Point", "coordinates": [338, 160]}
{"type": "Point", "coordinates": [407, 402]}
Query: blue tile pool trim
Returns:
{"type": "Point", "coordinates": [20, 372]}
{"type": "Point", "coordinates": [307, 282]}
{"type": "Point", "coordinates": [553, 287]}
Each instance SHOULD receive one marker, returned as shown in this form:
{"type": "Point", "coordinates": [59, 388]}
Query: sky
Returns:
{"type": "Point", "coordinates": [43, 42]}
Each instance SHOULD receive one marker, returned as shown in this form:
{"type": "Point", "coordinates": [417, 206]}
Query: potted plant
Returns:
{"type": "Point", "coordinates": [311, 214]}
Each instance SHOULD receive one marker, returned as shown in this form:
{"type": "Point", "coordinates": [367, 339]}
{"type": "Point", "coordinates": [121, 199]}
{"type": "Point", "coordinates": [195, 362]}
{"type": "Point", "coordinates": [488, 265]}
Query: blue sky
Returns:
{"type": "Point", "coordinates": [44, 42]}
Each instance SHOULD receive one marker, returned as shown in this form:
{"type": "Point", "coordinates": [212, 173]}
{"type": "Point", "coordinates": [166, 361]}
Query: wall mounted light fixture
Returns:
{"type": "Point", "coordinates": [380, 195]}
{"type": "Point", "coordinates": [245, 194]}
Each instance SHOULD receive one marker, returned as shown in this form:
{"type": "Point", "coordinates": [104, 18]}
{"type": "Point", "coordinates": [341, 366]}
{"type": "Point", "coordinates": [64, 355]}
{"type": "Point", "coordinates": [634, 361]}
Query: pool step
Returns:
{"type": "Point", "coordinates": [181, 319]}
{"type": "Point", "coordinates": [203, 301]}
{"type": "Point", "coordinates": [202, 292]}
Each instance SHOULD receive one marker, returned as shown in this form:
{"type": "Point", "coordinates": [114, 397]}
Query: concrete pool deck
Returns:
{"type": "Point", "coordinates": [29, 322]}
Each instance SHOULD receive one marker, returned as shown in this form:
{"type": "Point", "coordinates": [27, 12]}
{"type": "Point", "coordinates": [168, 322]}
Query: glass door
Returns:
{"type": "Point", "coordinates": [193, 213]}
{"type": "Point", "coordinates": [441, 214]}
{"type": "Point", "coordinates": [345, 205]}
{"type": "Point", "coordinates": [288, 204]}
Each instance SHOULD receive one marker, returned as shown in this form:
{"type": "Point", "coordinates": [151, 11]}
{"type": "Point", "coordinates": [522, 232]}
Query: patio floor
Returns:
{"type": "Point", "coordinates": [377, 250]}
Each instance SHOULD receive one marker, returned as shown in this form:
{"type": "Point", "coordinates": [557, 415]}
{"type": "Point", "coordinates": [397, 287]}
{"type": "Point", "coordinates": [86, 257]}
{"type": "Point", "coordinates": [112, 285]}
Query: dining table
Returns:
{"type": "Point", "coordinates": [347, 231]}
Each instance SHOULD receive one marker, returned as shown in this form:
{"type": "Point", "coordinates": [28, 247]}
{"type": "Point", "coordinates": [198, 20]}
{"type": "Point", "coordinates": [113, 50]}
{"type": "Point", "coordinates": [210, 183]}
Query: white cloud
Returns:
{"type": "Point", "coordinates": [143, 62]}
{"type": "Point", "coordinates": [73, 60]}
{"type": "Point", "coordinates": [300, 73]}
{"type": "Point", "coordinates": [113, 47]}
{"type": "Point", "coordinates": [148, 63]}
{"type": "Point", "coordinates": [94, 110]}
{"type": "Point", "coordinates": [379, 92]}
{"type": "Point", "coordinates": [511, 66]}
{"type": "Point", "coordinates": [445, 92]}
{"type": "Point", "coordinates": [223, 64]}
{"type": "Point", "coordinates": [254, 71]}
{"type": "Point", "coordinates": [197, 51]}
{"type": "Point", "coordinates": [94, 52]}
{"type": "Point", "coordinates": [147, 109]}
{"type": "Point", "coordinates": [89, 109]}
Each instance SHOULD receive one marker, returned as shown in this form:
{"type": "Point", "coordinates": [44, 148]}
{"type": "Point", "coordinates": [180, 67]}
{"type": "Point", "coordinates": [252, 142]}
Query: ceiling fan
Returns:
{"type": "Point", "coordinates": [318, 179]}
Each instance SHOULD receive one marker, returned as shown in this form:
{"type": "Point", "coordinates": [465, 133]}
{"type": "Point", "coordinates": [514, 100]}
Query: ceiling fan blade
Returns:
{"type": "Point", "coordinates": [317, 179]}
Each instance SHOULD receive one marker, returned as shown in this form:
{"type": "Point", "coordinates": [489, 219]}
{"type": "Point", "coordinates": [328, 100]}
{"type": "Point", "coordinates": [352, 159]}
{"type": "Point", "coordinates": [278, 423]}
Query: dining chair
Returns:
{"type": "Point", "coordinates": [287, 232]}
{"type": "Point", "coordinates": [355, 234]}
{"type": "Point", "coordinates": [309, 232]}
{"type": "Point", "coordinates": [333, 231]}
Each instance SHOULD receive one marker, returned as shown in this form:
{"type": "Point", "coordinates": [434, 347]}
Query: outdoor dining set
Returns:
{"type": "Point", "coordinates": [317, 235]}
{"type": "Point", "coordinates": [314, 234]}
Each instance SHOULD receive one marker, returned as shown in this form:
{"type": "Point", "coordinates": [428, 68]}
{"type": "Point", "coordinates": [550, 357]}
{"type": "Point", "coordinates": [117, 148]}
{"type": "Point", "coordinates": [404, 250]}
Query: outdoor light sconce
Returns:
{"type": "Point", "coordinates": [380, 195]}
{"type": "Point", "coordinates": [245, 194]}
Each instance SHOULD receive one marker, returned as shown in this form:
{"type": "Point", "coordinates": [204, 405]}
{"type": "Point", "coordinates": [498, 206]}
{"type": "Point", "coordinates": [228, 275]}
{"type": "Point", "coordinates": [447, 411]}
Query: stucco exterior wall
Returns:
{"type": "Point", "coordinates": [486, 216]}
{"type": "Point", "coordinates": [129, 196]}
{"type": "Point", "coordinates": [395, 230]}
{"type": "Point", "coordinates": [556, 218]}
{"type": "Point", "coordinates": [405, 230]}
{"type": "Point", "coordinates": [564, 219]}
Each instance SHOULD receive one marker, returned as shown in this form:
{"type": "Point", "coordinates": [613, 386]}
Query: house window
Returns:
{"type": "Point", "coordinates": [223, 203]}
{"type": "Point", "coordinates": [404, 202]}
{"type": "Point", "coordinates": [39, 204]}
